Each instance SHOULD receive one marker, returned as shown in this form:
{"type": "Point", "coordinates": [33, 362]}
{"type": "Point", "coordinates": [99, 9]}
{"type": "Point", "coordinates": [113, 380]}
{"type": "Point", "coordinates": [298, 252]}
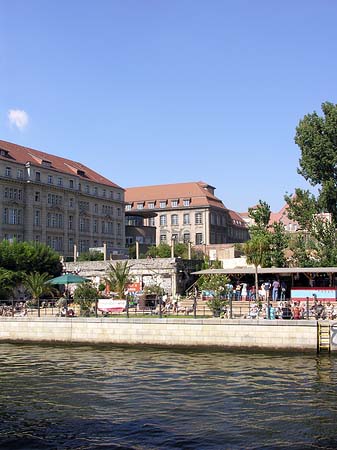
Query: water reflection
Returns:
{"type": "Point", "coordinates": [89, 397]}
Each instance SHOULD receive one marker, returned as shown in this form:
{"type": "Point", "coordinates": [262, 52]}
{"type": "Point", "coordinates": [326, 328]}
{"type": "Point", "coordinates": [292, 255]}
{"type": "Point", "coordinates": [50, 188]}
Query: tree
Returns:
{"type": "Point", "coordinates": [261, 215]}
{"type": "Point", "coordinates": [118, 277]}
{"type": "Point", "coordinates": [216, 283]}
{"type": "Point", "coordinates": [317, 138]}
{"type": "Point", "coordinates": [256, 250]}
{"type": "Point", "coordinates": [37, 284]}
{"type": "Point", "coordinates": [29, 257]}
{"type": "Point", "coordinates": [84, 296]}
{"type": "Point", "coordinates": [93, 255]}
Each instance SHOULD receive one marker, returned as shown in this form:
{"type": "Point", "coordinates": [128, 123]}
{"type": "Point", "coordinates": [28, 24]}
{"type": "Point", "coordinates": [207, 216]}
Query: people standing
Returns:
{"type": "Point", "coordinates": [283, 290]}
{"type": "Point", "coordinates": [276, 285]}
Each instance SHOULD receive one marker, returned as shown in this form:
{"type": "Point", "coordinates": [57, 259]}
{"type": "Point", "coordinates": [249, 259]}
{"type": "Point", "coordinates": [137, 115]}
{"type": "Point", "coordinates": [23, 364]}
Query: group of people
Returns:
{"type": "Point", "coordinates": [268, 290]}
{"type": "Point", "coordinates": [293, 310]}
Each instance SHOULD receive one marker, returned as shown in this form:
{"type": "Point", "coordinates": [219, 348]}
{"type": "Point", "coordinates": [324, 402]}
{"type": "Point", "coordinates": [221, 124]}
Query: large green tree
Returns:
{"type": "Point", "coordinates": [316, 137]}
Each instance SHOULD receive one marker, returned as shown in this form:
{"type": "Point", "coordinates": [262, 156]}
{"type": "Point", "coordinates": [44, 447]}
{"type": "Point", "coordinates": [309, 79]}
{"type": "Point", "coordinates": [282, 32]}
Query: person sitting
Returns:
{"type": "Point", "coordinates": [296, 311]}
{"type": "Point", "coordinates": [286, 312]}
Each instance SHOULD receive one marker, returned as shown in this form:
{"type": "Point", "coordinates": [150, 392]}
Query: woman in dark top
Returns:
{"type": "Point", "coordinates": [286, 312]}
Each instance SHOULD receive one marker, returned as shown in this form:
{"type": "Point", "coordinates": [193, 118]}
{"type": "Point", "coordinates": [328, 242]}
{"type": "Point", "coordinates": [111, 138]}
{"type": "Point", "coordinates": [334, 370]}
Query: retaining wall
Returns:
{"type": "Point", "coordinates": [266, 334]}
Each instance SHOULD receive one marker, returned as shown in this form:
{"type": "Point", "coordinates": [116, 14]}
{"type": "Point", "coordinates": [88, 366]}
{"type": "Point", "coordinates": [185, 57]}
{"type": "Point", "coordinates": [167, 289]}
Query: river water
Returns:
{"type": "Point", "coordinates": [78, 397]}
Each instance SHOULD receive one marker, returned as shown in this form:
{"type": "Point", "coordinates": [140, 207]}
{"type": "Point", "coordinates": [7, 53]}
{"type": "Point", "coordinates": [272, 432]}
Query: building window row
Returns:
{"type": "Point", "coordinates": [13, 193]}
{"type": "Point", "coordinates": [12, 216]}
{"type": "Point", "coordinates": [54, 199]}
{"type": "Point", "coordinates": [54, 220]}
{"type": "Point", "coordinates": [186, 238]}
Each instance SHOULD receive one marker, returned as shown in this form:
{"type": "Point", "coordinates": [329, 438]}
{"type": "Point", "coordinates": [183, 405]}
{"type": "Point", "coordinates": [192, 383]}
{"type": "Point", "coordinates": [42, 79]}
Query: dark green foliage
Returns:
{"type": "Point", "coordinates": [260, 214]}
{"type": "Point", "coordinates": [84, 296]}
{"type": "Point", "coordinates": [91, 256]}
{"type": "Point", "coordinates": [317, 138]}
{"type": "Point", "coordinates": [29, 257]}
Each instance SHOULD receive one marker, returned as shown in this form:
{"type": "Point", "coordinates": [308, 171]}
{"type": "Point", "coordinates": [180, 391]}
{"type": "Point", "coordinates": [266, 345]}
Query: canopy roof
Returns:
{"type": "Point", "coordinates": [271, 270]}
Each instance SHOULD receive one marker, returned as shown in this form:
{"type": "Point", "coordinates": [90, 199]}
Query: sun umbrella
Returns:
{"type": "Point", "coordinates": [68, 278]}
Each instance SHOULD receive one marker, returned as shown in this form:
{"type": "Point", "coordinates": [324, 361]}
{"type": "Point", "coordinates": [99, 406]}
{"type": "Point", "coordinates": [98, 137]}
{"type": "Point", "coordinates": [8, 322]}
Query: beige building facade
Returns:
{"type": "Point", "coordinates": [58, 202]}
{"type": "Point", "coordinates": [187, 212]}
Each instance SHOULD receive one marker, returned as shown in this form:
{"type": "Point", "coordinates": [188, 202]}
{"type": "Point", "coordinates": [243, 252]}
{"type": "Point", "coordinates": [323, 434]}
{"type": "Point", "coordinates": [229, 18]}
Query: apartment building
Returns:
{"type": "Point", "coordinates": [59, 202]}
{"type": "Point", "coordinates": [186, 212]}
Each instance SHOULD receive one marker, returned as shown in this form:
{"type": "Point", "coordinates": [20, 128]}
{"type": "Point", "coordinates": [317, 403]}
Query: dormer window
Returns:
{"type": "Point", "coordinates": [174, 203]}
{"type": "Point", "coordinates": [162, 204]}
{"type": "Point", "coordinates": [140, 205]}
{"type": "Point", "coordinates": [151, 205]}
{"type": "Point", "coordinates": [46, 163]}
{"type": "Point", "coordinates": [80, 172]}
{"type": "Point", "coordinates": [186, 201]}
{"type": "Point", "coordinates": [4, 153]}
{"type": "Point", "coordinates": [127, 207]}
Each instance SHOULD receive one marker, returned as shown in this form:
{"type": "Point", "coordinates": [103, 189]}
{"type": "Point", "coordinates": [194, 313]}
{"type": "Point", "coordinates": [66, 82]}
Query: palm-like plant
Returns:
{"type": "Point", "coordinates": [37, 284]}
{"type": "Point", "coordinates": [118, 277]}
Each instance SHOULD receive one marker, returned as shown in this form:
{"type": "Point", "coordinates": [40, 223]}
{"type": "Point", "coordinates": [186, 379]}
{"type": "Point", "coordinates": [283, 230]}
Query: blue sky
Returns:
{"type": "Point", "coordinates": [155, 92]}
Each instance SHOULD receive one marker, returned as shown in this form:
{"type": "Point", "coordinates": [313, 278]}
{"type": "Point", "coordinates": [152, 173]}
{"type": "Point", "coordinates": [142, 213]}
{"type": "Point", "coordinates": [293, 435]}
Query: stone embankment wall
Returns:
{"type": "Point", "coordinates": [268, 335]}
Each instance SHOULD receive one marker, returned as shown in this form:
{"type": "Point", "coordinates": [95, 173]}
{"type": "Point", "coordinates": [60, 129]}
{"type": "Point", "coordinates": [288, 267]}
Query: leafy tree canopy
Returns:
{"type": "Point", "coordinates": [316, 137]}
{"type": "Point", "coordinates": [29, 257]}
{"type": "Point", "coordinates": [93, 255]}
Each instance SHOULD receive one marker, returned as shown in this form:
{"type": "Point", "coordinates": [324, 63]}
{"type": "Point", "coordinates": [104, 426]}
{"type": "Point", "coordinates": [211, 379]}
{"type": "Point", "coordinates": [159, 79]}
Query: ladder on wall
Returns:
{"type": "Point", "coordinates": [323, 335]}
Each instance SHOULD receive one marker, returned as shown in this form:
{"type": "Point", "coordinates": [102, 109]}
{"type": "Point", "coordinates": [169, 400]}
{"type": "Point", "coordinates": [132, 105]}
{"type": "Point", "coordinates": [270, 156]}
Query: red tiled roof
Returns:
{"type": "Point", "coordinates": [237, 219]}
{"type": "Point", "coordinates": [22, 155]}
{"type": "Point", "coordinates": [196, 192]}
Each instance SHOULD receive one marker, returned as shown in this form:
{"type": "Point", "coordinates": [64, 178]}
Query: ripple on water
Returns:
{"type": "Point", "coordinates": [102, 397]}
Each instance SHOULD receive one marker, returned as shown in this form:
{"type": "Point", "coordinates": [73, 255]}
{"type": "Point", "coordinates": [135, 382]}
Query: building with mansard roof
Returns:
{"type": "Point", "coordinates": [59, 202]}
{"type": "Point", "coordinates": [185, 212]}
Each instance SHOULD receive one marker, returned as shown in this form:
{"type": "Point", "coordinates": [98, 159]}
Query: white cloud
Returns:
{"type": "Point", "coordinates": [18, 118]}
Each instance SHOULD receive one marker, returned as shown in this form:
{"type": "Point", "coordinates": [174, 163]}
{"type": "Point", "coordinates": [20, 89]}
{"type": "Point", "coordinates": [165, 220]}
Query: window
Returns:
{"type": "Point", "coordinates": [70, 223]}
{"type": "Point", "coordinates": [140, 205]}
{"type": "Point", "coordinates": [37, 196]}
{"type": "Point", "coordinates": [54, 220]}
{"type": "Point", "coordinates": [119, 229]}
{"type": "Point", "coordinates": [162, 238]}
{"type": "Point", "coordinates": [127, 207]}
{"type": "Point", "coordinates": [12, 216]}
{"type": "Point", "coordinates": [37, 176]}
{"type": "Point", "coordinates": [119, 212]}
{"type": "Point", "coordinates": [152, 222]}
{"type": "Point", "coordinates": [19, 174]}
{"type": "Point", "coordinates": [37, 217]}
{"type": "Point", "coordinates": [104, 193]}
{"type": "Point", "coordinates": [174, 203]}
{"type": "Point", "coordinates": [13, 193]}
{"type": "Point", "coordinates": [175, 237]}
{"type": "Point", "coordinates": [95, 191]}
{"type": "Point", "coordinates": [186, 238]}
{"type": "Point", "coordinates": [151, 205]}
{"type": "Point", "coordinates": [174, 219]}
{"type": "Point", "coordinates": [198, 239]}
{"type": "Point", "coordinates": [198, 218]}
{"type": "Point", "coordinates": [70, 244]}
{"type": "Point", "coordinates": [71, 202]}
{"type": "Point", "coordinates": [186, 202]}
{"type": "Point", "coordinates": [50, 179]}
{"type": "Point", "coordinates": [96, 208]}
{"type": "Point", "coordinates": [186, 219]}
{"type": "Point", "coordinates": [8, 172]}
{"type": "Point", "coordinates": [162, 204]}
{"type": "Point", "coordinates": [95, 226]}
{"type": "Point", "coordinates": [87, 189]}
{"type": "Point", "coordinates": [163, 220]}
{"type": "Point", "coordinates": [71, 184]}
{"type": "Point", "coordinates": [59, 181]}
